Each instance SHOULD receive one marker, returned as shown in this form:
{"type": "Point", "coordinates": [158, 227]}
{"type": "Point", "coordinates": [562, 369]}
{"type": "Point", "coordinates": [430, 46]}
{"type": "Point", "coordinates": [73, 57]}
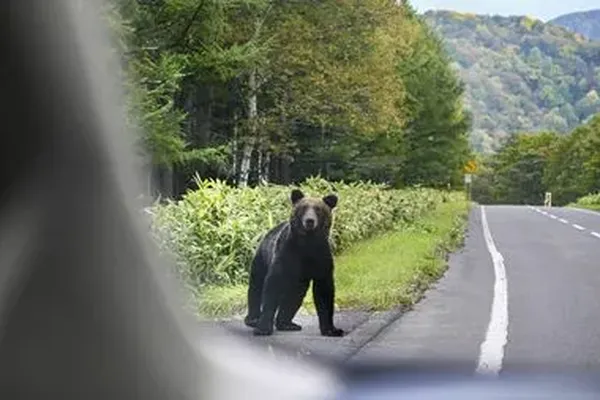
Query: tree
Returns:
{"type": "Point", "coordinates": [574, 165]}
{"type": "Point", "coordinates": [273, 91]}
{"type": "Point", "coordinates": [436, 141]}
{"type": "Point", "coordinates": [515, 175]}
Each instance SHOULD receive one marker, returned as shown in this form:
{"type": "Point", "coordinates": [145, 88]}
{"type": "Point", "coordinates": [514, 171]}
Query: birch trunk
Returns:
{"type": "Point", "coordinates": [245, 164]}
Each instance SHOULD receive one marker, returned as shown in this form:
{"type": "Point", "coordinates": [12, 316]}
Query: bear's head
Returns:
{"type": "Point", "coordinates": [311, 215]}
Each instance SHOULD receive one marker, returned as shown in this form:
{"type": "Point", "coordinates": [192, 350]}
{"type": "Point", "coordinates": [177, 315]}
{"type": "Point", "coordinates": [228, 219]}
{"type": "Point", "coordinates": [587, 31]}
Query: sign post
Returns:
{"type": "Point", "coordinates": [470, 168]}
{"type": "Point", "coordinates": [468, 180]}
{"type": "Point", "coordinates": [548, 199]}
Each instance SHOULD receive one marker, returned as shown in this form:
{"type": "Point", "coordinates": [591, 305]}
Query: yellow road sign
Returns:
{"type": "Point", "coordinates": [471, 167]}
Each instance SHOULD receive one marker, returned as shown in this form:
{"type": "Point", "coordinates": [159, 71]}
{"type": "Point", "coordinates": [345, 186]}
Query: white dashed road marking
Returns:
{"type": "Point", "coordinates": [564, 221]}
{"type": "Point", "coordinates": [492, 349]}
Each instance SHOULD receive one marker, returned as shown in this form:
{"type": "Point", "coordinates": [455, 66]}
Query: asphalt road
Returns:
{"type": "Point", "coordinates": [553, 266]}
{"type": "Point", "coordinates": [525, 289]}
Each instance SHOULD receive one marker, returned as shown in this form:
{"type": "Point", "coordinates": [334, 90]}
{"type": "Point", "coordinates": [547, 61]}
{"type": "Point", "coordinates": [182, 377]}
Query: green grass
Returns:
{"type": "Point", "coordinates": [388, 270]}
{"type": "Point", "coordinates": [590, 202]}
{"type": "Point", "coordinates": [593, 207]}
{"type": "Point", "coordinates": [396, 267]}
{"type": "Point", "coordinates": [222, 301]}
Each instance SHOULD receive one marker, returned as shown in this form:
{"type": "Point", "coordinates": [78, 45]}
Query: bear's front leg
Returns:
{"type": "Point", "coordinates": [323, 296]}
{"type": "Point", "coordinates": [290, 304]}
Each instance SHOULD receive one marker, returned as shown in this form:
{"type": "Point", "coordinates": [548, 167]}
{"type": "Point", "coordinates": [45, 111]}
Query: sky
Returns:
{"type": "Point", "coordinates": [541, 9]}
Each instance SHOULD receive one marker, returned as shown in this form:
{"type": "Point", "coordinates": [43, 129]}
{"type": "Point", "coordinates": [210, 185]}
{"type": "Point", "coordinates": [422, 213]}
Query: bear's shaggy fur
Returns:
{"type": "Point", "coordinates": [289, 257]}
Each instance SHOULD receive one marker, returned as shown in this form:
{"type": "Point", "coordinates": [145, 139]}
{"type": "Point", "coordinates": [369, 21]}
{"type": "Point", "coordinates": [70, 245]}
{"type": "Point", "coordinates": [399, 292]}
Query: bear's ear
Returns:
{"type": "Point", "coordinates": [296, 196]}
{"type": "Point", "coordinates": [331, 200]}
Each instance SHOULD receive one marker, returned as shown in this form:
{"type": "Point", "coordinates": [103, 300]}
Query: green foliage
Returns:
{"type": "Point", "coordinates": [338, 73]}
{"type": "Point", "coordinates": [515, 175]}
{"type": "Point", "coordinates": [152, 107]}
{"type": "Point", "coordinates": [520, 167]}
{"type": "Point", "coordinates": [590, 201]}
{"type": "Point", "coordinates": [151, 83]}
{"type": "Point", "coordinates": [396, 267]}
{"type": "Point", "coordinates": [521, 75]}
{"type": "Point", "coordinates": [258, 90]}
{"type": "Point", "coordinates": [214, 230]}
{"type": "Point", "coordinates": [528, 165]}
{"type": "Point", "coordinates": [163, 46]}
{"type": "Point", "coordinates": [436, 144]}
{"type": "Point", "coordinates": [574, 168]}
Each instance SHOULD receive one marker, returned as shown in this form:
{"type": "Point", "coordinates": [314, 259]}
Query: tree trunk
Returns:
{"type": "Point", "coordinates": [165, 184]}
{"type": "Point", "coordinates": [234, 146]}
{"type": "Point", "coordinates": [203, 115]}
{"type": "Point", "coordinates": [323, 162]}
{"type": "Point", "coordinates": [259, 165]}
{"type": "Point", "coordinates": [250, 143]}
{"type": "Point", "coordinates": [285, 170]}
{"type": "Point", "coordinates": [245, 164]}
{"type": "Point", "coordinates": [264, 161]}
{"type": "Point", "coordinates": [279, 172]}
{"type": "Point", "coordinates": [267, 168]}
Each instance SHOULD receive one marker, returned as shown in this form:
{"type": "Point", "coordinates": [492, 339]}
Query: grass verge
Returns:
{"type": "Point", "coordinates": [589, 202]}
{"type": "Point", "coordinates": [388, 270]}
{"type": "Point", "coordinates": [592, 207]}
{"type": "Point", "coordinates": [396, 267]}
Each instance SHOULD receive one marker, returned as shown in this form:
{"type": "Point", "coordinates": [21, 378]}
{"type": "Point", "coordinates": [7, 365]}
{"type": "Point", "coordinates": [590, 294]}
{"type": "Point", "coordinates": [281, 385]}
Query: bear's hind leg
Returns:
{"type": "Point", "coordinates": [258, 272]}
{"type": "Point", "coordinates": [272, 294]}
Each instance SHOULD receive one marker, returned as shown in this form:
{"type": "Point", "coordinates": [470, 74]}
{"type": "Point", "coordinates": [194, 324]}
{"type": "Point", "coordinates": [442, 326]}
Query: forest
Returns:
{"type": "Point", "coordinates": [529, 164]}
{"type": "Point", "coordinates": [521, 74]}
{"type": "Point", "coordinates": [259, 91]}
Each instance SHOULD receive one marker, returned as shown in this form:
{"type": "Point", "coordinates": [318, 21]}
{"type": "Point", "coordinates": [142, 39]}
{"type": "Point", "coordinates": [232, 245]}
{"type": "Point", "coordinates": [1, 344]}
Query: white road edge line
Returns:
{"type": "Point", "coordinates": [564, 221]}
{"type": "Point", "coordinates": [492, 349]}
{"type": "Point", "coordinates": [581, 228]}
{"type": "Point", "coordinates": [553, 216]}
{"type": "Point", "coordinates": [583, 210]}
{"type": "Point", "coordinates": [595, 234]}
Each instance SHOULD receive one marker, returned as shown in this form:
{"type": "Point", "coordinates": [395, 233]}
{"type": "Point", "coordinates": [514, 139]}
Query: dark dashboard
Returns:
{"type": "Point", "coordinates": [447, 382]}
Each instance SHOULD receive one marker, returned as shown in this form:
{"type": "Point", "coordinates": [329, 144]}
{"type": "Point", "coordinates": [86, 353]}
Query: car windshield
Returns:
{"type": "Point", "coordinates": [457, 136]}
{"type": "Point", "coordinates": [372, 181]}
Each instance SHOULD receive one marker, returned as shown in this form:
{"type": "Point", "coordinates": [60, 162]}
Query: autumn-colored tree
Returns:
{"type": "Point", "coordinates": [264, 90]}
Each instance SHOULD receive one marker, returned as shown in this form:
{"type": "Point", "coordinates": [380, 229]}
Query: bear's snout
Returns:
{"type": "Point", "coordinates": [309, 223]}
{"type": "Point", "coordinates": [310, 220]}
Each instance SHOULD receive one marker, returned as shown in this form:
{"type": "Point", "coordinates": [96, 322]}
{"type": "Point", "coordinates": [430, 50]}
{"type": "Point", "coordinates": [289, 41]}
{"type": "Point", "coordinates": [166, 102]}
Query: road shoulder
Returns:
{"type": "Point", "coordinates": [449, 324]}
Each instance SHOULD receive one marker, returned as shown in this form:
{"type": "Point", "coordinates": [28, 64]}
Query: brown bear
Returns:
{"type": "Point", "coordinates": [289, 257]}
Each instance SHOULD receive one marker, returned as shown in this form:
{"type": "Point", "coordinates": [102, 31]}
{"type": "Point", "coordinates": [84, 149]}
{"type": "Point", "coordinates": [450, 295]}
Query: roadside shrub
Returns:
{"type": "Point", "coordinates": [591, 201]}
{"type": "Point", "coordinates": [214, 230]}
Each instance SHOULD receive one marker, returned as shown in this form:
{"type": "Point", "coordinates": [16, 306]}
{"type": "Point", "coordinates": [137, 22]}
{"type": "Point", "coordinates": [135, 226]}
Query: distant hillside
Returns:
{"type": "Point", "coordinates": [586, 23]}
{"type": "Point", "coordinates": [521, 74]}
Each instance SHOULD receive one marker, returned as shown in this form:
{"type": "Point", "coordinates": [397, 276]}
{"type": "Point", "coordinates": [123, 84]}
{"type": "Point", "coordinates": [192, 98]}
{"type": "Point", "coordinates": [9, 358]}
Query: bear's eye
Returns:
{"type": "Point", "coordinates": [301, 210]}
